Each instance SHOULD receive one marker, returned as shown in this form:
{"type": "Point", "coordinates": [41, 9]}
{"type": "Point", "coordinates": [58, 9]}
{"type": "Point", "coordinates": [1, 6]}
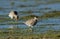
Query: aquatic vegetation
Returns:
{"type": "Point", "coordinates": [53, 14]}
{"type": "Point", "coordinates": [13, 23]}
{"type": "Point", "coordinates": [50, 34]}
{"type": "Point", "coordinates": [49, 24]}
{"type": "Point", "coordinates": [53, 1]}
{"type": "Point", "coordinates": [28, 17]}
{"type": "Point", "coordinates": [22, 6]}
{"type": "Point", "coordinates": [9, 23]}
{"type": "Point", "coordinates": [12, 3]}
{"type": "Point", "coordinates": [26, 12]}
{"type": "Point", "coordinates": [46, 8]}
{"type": "Point", "coordinates": [1, 8]}
{"type": "Point", "coordinates": [4, 19]}
{"type": "Point", "coordinates": [24, 33]}
{"type": "Point", "coordinates": [24, 0]}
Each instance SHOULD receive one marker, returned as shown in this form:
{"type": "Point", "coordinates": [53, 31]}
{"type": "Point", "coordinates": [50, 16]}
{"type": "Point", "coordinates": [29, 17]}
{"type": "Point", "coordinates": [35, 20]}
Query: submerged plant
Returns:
{"type": "Point", "coordinates": [12, 3]}
{"type": "Point", "coordinates": [28, 17]}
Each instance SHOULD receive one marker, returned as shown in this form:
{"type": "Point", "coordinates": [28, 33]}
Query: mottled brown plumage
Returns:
{"type": "Point", "coordinates": [31, 22]}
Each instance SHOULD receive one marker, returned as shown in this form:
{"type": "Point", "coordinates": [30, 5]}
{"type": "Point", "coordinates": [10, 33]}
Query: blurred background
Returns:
{"type": "Point", "coordinates": [48, 12]}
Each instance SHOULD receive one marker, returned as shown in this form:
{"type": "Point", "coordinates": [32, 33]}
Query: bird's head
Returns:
{"type": "Point", "coordinates": [35, 18]}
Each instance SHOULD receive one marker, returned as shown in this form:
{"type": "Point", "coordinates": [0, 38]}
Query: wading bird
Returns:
{"type": "Point", "coordinates": [13, 15]}
{"type": "Point", "coordinates": [31, 22]}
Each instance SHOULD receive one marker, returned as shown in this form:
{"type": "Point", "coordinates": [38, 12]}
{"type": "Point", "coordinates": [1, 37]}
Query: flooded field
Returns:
{"type": "Point", "coordinates": [47, 27]}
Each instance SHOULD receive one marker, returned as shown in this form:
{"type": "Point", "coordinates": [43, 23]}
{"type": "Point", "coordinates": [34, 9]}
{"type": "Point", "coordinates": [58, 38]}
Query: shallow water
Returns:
{"type": "Point", "coordinates": [37, 8]}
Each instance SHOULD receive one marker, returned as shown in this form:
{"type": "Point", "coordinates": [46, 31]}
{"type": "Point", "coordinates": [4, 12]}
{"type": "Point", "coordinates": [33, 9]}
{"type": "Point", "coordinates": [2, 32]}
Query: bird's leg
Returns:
{"type": "Point", "coordinates": [31, 28]}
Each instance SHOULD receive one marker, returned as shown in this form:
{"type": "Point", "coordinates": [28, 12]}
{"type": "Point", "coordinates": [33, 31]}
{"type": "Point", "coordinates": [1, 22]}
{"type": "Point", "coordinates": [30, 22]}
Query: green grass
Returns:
{"type": "Point", "coordinates": [50, 34]}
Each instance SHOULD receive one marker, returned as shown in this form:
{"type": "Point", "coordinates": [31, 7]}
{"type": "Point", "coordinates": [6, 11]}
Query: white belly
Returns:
{"type": "Point", "coordinates": [11, 16]}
